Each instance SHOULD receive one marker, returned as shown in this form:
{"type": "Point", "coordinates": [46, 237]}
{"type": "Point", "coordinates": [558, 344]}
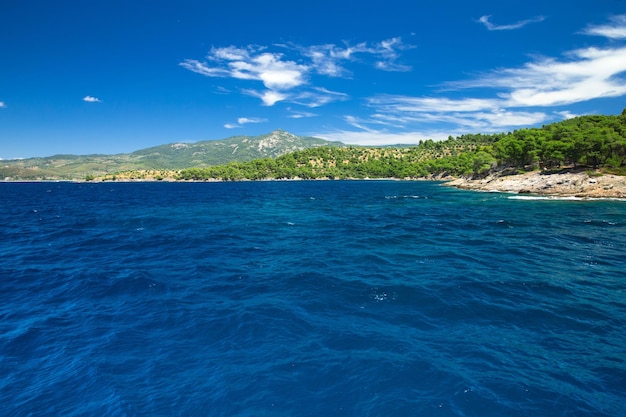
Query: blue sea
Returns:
{"type": "Point", "coordinates": [309, 298]}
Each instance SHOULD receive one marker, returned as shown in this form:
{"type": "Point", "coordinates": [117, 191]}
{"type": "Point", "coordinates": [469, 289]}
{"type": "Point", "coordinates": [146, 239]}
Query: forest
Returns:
{"type": "Point", "coordinates": [585, 142]}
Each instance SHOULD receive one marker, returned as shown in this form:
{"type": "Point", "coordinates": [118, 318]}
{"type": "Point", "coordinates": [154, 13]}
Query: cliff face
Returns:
{"type": "Point", "coordinates": [566, 184]}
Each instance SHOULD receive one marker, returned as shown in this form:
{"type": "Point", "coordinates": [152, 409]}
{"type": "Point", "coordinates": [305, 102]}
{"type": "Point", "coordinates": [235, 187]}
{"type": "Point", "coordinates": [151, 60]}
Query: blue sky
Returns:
{"type": "Point", "coordinates": [114, 76]}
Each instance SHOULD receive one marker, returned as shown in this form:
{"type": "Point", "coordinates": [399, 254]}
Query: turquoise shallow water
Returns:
{"type": "Point", "coordinates": [347, 298]}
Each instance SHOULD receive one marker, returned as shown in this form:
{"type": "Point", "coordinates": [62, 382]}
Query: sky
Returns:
{"type": "Point", "coordinates": [85, 77]}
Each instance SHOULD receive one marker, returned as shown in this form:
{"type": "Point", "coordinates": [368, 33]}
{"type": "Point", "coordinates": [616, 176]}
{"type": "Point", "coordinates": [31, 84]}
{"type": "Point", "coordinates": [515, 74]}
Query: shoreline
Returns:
{"type": "Point", "coordinates": [560, 184]}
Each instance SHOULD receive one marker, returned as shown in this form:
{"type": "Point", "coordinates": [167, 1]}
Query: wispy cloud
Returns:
{"type": "Point", "coordinates": [566, 114]}
{"type": "Point", "coordinates": [386, 129]}
{"type": "Point", "coordinates": [243, 121]}
{"type": "Point", "coordinates": [512, 97]}
{"type": "Point", "coordinates": [297, 114]}
{"type": "Point", "coordinates": [615, 29]}
{"type": "Point", "coordinates": [328, 59]}
{"type": "Point", "coordinates": [431, 104]}
{"type": "Point", "coordinates": [377, 138]}
{"type": "Point", "coordinates": [288, 78]}
{"type": "Point", "coordinates": [2, 105]}
{"type": "Point", "coordinates": [251, 64]}
{"type": "Point", "coordinates": [268, 97]}
{"type": "Point", "coordinates": [582, 75]}
{"type": "Point", "coordinates": [317, 97]}
{"type": "Point", "coordinates": [91, 99]}
{"type": "Point", "coordinates": [499, 100]}
{"type": "Point", "coordinates": [517, 25]}
{"type": "Point", "coordinates": [388, 52]}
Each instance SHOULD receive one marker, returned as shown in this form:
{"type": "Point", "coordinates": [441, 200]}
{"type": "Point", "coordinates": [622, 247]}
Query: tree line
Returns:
{"type": "Point", "coordinates": [596, 141]}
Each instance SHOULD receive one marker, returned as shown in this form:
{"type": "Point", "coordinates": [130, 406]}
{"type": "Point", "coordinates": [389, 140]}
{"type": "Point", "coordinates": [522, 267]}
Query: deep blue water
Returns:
{"type": "Point", "coordinates": [330, 298]}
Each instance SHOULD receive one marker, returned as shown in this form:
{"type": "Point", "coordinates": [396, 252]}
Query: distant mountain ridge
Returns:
{"type": "Point", "coordinates": [172, 156]}
{"type": "Point", "coordinates": [233, 149]}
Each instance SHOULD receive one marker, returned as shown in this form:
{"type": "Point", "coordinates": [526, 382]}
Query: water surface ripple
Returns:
{"type": "Point", "coordinates": [347, 298]}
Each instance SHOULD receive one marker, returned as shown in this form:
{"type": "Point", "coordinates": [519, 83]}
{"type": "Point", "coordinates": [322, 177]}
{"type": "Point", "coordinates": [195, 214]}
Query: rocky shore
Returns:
{"type": "Point", "coordinates": [561, 184]}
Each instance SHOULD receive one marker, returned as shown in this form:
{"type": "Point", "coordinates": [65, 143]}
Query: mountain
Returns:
{"type": "Point", "coordinates": [233, 149]}
{"type": "Point", "coordinates": [172, 156]}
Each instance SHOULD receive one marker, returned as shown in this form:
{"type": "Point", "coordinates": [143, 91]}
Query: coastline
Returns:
{"type": "Point", "coordinates": [566, 183]}
{"type": "Point", "coordinates": [560, 184]}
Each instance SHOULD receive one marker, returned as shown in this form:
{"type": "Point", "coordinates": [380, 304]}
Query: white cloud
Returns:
{"type": "Point", "coordinates": [271, 69]}
{"type": "Point", "coordinates": [375, 131]}
{"type": "Point", "coordinates": [91, 99]}
{"type": "Point", "coordinates": [566, 114]}
{"type": "Point", "coordinates": [490, 26]}
{"type": "Point", "coordinates": [243, 121]}
{"type": "Point", "coordinates": [431, 104]}
{"type": "Point", "coordinates": [474, 114]}
{"type": "Point", "coordinates": [202, 68]}
{"type": "Point", "coordinates": [380, 138]}
{"type": "Point", "coordinates": [317, 97]}
{"type": "Point", "coordinates": [587, 74]}
{"type": "Point", "coordinates": [268, 97]}
{"type": "Point", "coordinates": [296, 114]}
{"type": "Point", "coordinates": [359, 123]}
{"type": "Point", "coordinates": [616, 29]}
{"type": "Point", "coordinates": [507, 118]}
{"type": "Point", "coordinates": [276, 74]}
{"type": "Point", "coordinates": [289, 79]}
{"type": "Point", "coordinates": [327, 59]}
{"type": "Point", "coordinates": [512, 97]}
{"type": "Point", "coordinates": [2, 105]}
{"type": "Point", "coordinates": [229, 53]}
{"type": "Point", "coordinates": [222, 90]}
{"type": "Point", "coordinates": [388, 51]}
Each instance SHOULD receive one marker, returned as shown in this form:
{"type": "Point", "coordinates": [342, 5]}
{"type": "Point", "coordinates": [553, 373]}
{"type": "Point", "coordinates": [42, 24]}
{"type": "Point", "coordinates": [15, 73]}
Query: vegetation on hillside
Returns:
{"type": "Point", "coordinates": [593, 141]}
{"type": "Point", "coordinates": [168, 157]}
{"type": "Point", "coordinates": [589, 142]}
{"type": "Point", "coordinates": [596, 141]}
{"type": "Point", "coordinates": [354, 162]}
{"type": "Point", "coordinates": [219, 152]}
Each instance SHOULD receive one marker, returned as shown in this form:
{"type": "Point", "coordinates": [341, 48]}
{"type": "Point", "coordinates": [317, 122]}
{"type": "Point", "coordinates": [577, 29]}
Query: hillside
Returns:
{"type": "Point", "coordinates": [217, 152]}
{"type": "Point", "coordinates": [595, 142]}
{"type": "Point", "coordinates": [174, 156]}
{"type": "Point", "coordinates": [586, 142]}
{"type": "Point", "coordinates": [450, 157]}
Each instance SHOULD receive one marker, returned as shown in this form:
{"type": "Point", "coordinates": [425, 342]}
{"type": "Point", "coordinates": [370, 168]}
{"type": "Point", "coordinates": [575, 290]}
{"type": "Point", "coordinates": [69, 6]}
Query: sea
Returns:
{"type": "Point", "coordinates": [309, 298]}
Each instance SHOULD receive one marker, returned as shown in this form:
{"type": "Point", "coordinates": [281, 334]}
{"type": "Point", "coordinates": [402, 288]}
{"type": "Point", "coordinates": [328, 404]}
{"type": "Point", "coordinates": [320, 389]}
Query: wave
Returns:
{"type": "Point", "coordinates": [308, 299]}
{"type": "Point", "coordinates": [538, 197]}
{"type": "Point", "coordinates": [563, 198]}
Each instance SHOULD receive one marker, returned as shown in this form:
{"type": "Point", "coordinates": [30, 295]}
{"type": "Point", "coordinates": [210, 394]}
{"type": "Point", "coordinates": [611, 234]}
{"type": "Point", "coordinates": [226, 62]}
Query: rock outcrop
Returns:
{"type": "Point", "coordinates": [563, 184]}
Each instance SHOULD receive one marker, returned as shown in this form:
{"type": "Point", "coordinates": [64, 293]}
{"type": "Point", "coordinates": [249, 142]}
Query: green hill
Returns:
{"type": "Point", "coordinates": [586, 142]}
